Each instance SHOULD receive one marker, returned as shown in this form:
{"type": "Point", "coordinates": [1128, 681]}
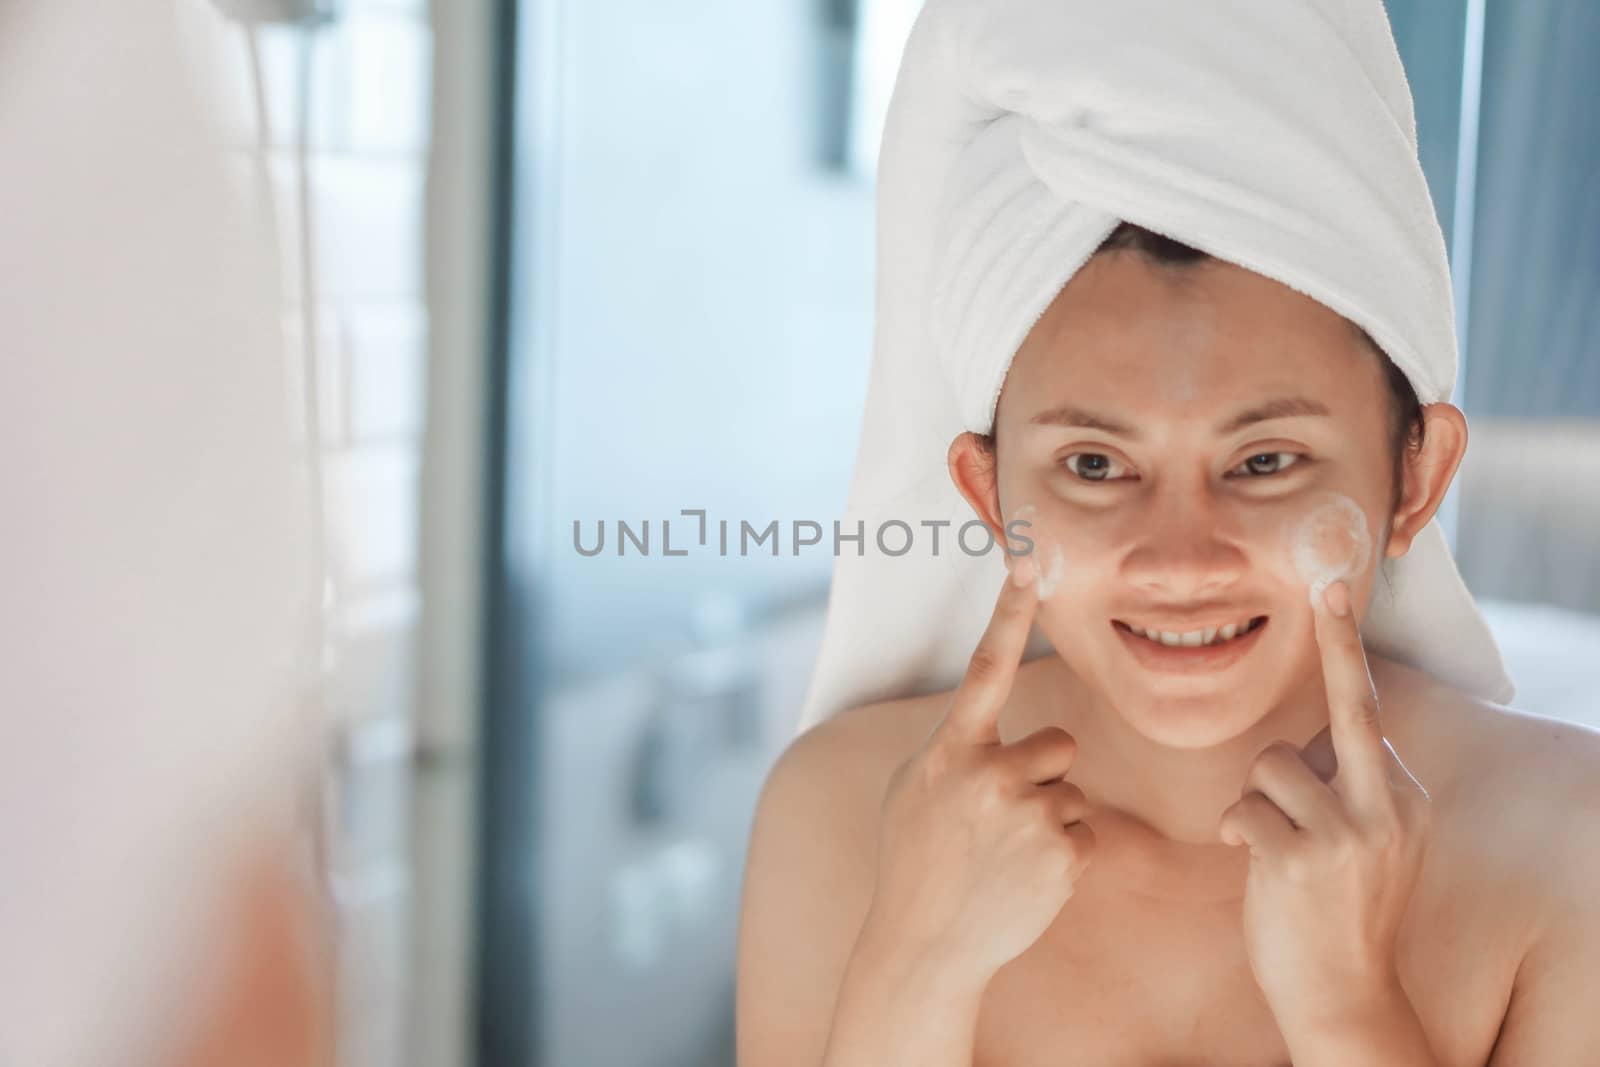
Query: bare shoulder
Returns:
{"type": "Point", "coordinates": [810, 873]}
{"type": "Point", "coordinates": [1523, 787]}
{"type": "Point", "coordinates": [1521, 828]}
{"type": "Point", "coordinates": [838, 769]}
{"type": "Point", "coordinates": [1529, 758]}
{"type": "Point", "coordinates": [825, 790]}
{"type": "Point", "coordinates": [1548, 772]}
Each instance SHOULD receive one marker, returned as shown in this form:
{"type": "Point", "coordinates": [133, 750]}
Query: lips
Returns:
{"type": "Point", "coordinates": [1191, 658]}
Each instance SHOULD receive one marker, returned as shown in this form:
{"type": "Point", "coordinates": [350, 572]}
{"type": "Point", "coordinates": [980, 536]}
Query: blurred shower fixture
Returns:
{"type": "Point", "coordinates": [836, 81]}
{"type": "Point", "coordinates": [283, 12]}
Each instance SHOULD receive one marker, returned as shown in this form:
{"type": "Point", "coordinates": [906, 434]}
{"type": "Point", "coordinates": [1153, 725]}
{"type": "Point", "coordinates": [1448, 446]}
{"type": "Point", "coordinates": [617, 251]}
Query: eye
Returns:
{"type": "Point", "coordinates": [1264, 463]}
{"type": "Point", "coordinates": [1096, 466]}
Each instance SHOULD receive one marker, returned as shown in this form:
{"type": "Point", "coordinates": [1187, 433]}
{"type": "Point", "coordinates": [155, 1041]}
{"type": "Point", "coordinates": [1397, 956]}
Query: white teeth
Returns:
{"type": "Point", "coordinates": [1194, 638]}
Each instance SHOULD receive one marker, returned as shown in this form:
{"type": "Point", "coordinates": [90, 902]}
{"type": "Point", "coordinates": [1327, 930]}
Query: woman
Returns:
{"type": "Point", "coordinates": [1285, 848]}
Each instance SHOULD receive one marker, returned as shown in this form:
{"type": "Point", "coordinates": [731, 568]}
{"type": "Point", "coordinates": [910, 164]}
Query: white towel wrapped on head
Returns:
{"type": "Point", "coordinates": [1275, 134]}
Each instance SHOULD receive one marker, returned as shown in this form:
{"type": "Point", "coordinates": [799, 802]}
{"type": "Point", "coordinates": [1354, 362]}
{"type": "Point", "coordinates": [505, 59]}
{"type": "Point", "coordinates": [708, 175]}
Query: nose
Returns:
{"type": "Point", "coordinates": [1185, 547]}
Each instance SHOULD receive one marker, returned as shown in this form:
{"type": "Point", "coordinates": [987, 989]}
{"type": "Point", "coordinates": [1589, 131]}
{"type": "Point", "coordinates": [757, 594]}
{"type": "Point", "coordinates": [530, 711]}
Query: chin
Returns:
{"type": "Point", "coordinates": [1190, 722]}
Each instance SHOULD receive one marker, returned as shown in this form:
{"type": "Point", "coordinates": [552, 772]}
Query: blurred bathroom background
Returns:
{"type": "Point", "coordinates": [558, 261]}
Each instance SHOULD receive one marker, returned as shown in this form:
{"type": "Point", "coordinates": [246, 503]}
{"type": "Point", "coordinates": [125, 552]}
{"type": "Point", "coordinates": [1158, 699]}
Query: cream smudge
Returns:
{"type": "Point", "coordinates": [1329, 543]}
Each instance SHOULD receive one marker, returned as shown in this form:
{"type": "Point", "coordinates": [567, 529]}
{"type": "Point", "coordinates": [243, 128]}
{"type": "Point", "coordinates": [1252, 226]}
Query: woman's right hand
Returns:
{"type": "Point", "coordinates": [980, 842]}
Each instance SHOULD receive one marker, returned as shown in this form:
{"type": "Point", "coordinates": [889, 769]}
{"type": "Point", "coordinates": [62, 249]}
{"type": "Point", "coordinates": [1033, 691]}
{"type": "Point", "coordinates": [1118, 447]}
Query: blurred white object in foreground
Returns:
{"type": "Point", "coordinates": [152, 579]}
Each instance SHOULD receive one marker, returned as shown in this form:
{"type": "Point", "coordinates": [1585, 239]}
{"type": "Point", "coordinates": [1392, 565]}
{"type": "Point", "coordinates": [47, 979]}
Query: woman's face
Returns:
{"type": "Point", "coordinates": [1193, 448]}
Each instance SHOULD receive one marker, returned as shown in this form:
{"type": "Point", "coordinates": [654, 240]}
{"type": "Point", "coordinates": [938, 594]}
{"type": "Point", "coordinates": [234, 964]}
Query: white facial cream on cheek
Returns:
{"type": "Point", "coordinates": [1049, 564]}
{"type": "Point", "coordinates": [1329, 543]}
{"type": "Point", "coordinates": [1050, 574]}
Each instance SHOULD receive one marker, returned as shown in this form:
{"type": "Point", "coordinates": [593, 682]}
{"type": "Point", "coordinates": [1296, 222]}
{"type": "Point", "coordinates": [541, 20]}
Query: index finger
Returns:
{"type": "Point", "coordinates": [1353, 719]}
{"type": "Point", "coordinates": [974, 714]}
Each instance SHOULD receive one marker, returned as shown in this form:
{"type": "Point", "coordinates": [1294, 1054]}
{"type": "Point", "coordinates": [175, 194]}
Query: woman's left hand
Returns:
{"type": "Point", "coordinates": [1333, 857]}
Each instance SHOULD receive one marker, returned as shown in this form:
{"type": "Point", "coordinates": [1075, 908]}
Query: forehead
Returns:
{"type": "Point", "coordinates": [1143, 334]}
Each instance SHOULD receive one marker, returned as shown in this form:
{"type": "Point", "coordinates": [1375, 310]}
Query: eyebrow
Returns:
{"type": "Point", "coordinates": [1282, 407]}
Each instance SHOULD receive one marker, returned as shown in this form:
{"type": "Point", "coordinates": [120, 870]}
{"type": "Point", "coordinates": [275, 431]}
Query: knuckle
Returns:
{"type": "Point", "coordinates": [1296, 866]}
{"type": "Point", "coordinates": [1344, 845]}
{"type": "Point", "coordinates": [1257, 805]}
{"type": "Point", "coordinates": [1229, 822]}
{"type": "Point", "coordinates": [984, 664]}
{"type": "Point", "coordinates": [1064, 743]}
{"type": "Point", "coordinates": [1041, 806]}
{"type": "Point", "coordinates": [1279, 754]}
{"type": "Point", "coordinates": [1077, 842]}
{"type": "Point", "coordinates": [1388, 811]}
{"type": "Point", "coordinates": [1264, 770]}
{"type": "Point", "coordinates": [1384, 835]}
{"type": "Point", "coordinates": [1060, 809]}
{"type": "Point", "coordinates": [1057, 862]}
{"type": "Point", "coordinates": [1245, 816]}
{"type": "Point", "coordinates": [1053, 748]}
{"type": "Point", "coordinates": [1270, 760]}
{"type": "Point", "coordinates": [1056, 735]}
{"type": "Point", "coordinates": [990, 787]}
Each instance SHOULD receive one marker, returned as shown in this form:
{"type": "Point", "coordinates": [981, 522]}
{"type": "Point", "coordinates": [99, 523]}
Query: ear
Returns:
{"type": "Point", "coordinates": [1428, 474]}
{"type": "Point", "coordinates": [972, 468]}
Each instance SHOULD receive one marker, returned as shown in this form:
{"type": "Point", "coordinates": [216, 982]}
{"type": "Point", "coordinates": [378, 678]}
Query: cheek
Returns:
{"type": "Point", "coordinates": [1328, 542]}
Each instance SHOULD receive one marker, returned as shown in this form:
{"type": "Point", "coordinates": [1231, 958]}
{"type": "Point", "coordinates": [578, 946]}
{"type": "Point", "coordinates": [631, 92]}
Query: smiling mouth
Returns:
{"type": "Point", "coordinates": [1207, 637]}
{"type": "Point", "coordinates": [1188, 653]}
